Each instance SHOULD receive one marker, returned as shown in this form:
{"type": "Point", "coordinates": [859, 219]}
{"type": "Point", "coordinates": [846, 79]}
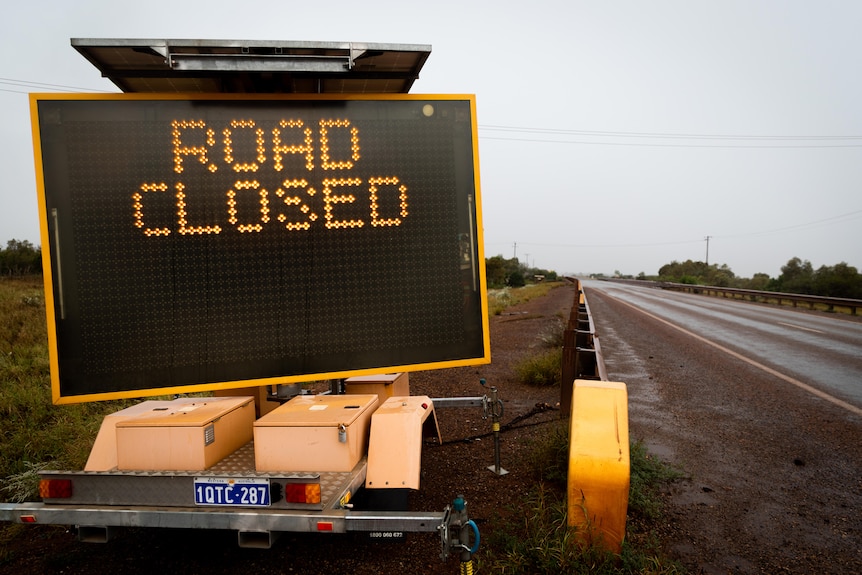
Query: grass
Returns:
{"type": "Point", "coordinates": [500, 299]}
{"type": "Point", "coordinates": [35, 433]}
{"type": "Point", "coordinates": [536, 539]}
{"type": "Point", "coordinates": [544, 368]}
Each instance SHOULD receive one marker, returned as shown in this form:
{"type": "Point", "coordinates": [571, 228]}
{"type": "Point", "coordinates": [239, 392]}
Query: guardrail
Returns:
{"type": "Point", "coordinates": [780, 298]}
{"type": "Point", "coordinates": [582, 354]}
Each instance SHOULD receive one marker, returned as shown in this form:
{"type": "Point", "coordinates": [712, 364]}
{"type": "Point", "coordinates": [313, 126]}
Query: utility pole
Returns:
{"type": "Point", "coordinates": [527, 256]}
{"type": "Point", "coordinates": [515, 253]}
{"type": "Point", "coordinates": [707, 250]}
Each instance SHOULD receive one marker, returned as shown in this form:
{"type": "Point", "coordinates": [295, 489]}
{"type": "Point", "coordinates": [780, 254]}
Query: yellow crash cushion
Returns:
{"type": "Point", "coordinates": [599, 462]}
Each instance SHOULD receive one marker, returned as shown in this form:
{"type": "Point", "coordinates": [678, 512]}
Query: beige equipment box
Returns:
{"type": "Point", "coordinates": [187, 434]}
{"type": "Point", "coordinates": [385, 386]}
{"type": "Point", "coordinates": [314, 433]}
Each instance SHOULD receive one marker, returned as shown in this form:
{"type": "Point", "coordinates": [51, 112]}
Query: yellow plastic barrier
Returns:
{"type": "Point", "coordinates": [599, 464]}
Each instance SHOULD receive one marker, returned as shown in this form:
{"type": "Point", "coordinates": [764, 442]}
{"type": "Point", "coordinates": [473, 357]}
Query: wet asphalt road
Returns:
{"type": "Point", "coordinates": [822, 353]}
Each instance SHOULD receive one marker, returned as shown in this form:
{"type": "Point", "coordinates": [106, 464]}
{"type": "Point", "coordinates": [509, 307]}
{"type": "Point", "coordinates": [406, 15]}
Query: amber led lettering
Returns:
{"type": "Point", "coordinates": [179, 130]}
{"type": "Point", "coordinates": [373, 184]}
{"type": "Point", "coordinates": [279, 148]}
{"type": "Point", "coordinates": [139, 209]}
{"type": "Point", "coordinates": [329, 199]}
{"type": "Point", "coordinates": [228, 146]}
{"type": "Point", "coordinates": [296, 201]}
{"type": "Point", "coordinates": [185, 228]}
{"type": "Point", "coordinates": [325, 162]}
{"type": "Point", "coordinates": [244, 149]}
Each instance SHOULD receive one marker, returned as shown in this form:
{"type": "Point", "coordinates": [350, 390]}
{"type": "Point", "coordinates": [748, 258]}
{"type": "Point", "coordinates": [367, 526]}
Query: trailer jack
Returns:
{"type": "Point", "coordinates": [493, 407]}
{"type": "Point", "coordinates": [455, 534]}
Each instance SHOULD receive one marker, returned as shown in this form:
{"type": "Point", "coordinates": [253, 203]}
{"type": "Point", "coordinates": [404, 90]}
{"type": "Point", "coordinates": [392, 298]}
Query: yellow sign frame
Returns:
{"type": "Point", "coordinates": [51, 244]}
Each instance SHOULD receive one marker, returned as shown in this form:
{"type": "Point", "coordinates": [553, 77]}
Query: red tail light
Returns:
{"type": "Point", "coordinates": [55, 488]}
{"type": "Point", "coordinates": [302, 492]}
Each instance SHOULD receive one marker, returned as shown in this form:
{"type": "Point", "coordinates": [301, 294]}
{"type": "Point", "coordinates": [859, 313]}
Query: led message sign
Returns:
{"type": "Point", "coordinates": [197, 242]}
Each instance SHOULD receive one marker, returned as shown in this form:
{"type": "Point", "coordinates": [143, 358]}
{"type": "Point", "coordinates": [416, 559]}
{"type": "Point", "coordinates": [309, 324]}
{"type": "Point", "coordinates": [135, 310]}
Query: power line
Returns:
{"type": "Point", "coordinates": [661, 134]}
{"type": "Point", "coordinates": [645, 145]}
{"type": "Point", "coordinates": [43, 86]}
{"type": "Point", "coordinates": [601, 246]}
{"type": "Point", "coordinates": [559, 136]}
{"type": "Point", "coordinates": [843, 217]}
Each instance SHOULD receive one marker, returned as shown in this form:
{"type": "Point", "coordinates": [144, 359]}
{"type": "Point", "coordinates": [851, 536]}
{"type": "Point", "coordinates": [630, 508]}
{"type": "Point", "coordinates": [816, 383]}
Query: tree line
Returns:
{"type": "Point", "coordinates": [797, 276]}
{"type": "Point", "coordinates": [20, 258]}
{"type": "Point", "coordinates": [501, 272]}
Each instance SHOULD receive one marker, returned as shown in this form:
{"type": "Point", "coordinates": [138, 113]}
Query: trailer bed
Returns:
{"type": "Point", "coordinates": [177, 488]}
{"type": "Point", "coordinates": [103, 500]}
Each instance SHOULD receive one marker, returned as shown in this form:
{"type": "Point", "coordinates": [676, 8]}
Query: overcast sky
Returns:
{"type": "Point", "coordinates": [612, 135]}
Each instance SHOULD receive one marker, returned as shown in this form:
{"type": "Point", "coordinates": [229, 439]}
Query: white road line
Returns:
{"type": "Point", "coordinates": [801, 327]}
{"type": "Point", "coordinates": [801, 385]}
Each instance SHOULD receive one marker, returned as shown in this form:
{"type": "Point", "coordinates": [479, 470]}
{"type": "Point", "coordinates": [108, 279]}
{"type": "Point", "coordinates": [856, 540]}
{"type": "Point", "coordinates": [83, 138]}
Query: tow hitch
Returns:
{"type": "Point", "coordinates": [456, 531]}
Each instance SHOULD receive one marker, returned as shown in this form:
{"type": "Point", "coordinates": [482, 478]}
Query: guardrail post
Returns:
{"type": "Point", "coordinates": [586, 364]}
{"type": "Point", "coordinates": [571, 342]}
{"type": "Point", "coordinates": [569, 373]}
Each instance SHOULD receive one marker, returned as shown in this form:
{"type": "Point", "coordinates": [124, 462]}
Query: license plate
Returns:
{"type": "Point", "coordinates": [222, 491]}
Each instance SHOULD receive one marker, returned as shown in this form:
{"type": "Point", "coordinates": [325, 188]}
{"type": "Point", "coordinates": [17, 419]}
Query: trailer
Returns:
{"type": "Point", "coordinates": [147, 471]}
{"type": "Point", "coordinates": [245, 218]}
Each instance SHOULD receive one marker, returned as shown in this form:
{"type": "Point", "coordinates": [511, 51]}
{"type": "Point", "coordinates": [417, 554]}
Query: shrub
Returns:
{"type": "Point", "coordinates": [544, 369]}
